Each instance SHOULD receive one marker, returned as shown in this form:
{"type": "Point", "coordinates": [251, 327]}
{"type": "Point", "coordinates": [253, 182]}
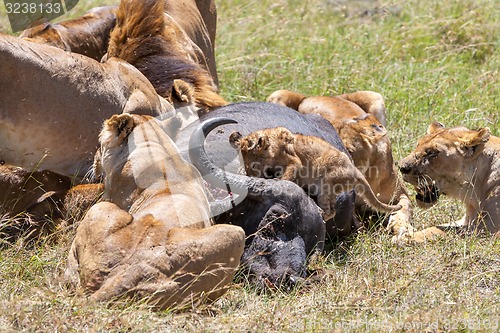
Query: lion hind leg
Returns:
{"type": "Point", "coordinates": [201, 262]}
{"type": "Point", "coordinates": [194, 263]}
{"type": "Point", "coordinates": [371, 102]}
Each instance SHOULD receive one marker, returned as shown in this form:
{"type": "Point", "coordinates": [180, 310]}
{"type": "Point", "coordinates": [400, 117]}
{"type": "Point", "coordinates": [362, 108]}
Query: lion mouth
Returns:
{"type": "Point", "coordinates": [428, 194]}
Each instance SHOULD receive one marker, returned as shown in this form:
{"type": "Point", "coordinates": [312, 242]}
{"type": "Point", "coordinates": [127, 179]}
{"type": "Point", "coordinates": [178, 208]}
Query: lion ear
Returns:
{"type": "Point", "coordinates": [116, 129]}
{"type": "Point", "coordinates": [473, 145]}
{"type": "Point", "coordinates": [263, 142]}
{"type": "Point", "coordinates": [289, 149]}
{"type": "Point", "coordinates": [183, 91]}
{"type": "Point", "coordinates": [235, 139]}
{"type": "Point", "coordinates": [286, 136]}
{"type": "Point", "coordinates": [434, 127]}
{"type": "Point", "coordinates": [288, 139]}
{"type": "Point", "coordinates": [256, 144]}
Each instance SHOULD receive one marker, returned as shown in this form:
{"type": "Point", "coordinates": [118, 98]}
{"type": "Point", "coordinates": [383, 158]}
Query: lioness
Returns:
{"type": "Point", "coordinates": [53, 103]}
{"type": "Point", "coordinates": [154, 238]}
{"type": "Point", "coordinates": [312, 163]}
{"type": "Point", "coordinates": [463, 164]}
{"type": "Point", "coordinates": [87, 35]}
{"type": "Point", "coordinates": [359, 119]}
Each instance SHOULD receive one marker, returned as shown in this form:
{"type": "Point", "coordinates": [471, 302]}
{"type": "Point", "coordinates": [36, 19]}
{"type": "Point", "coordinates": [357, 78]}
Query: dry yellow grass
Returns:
{"type": "Point", "coordinates": [432, 60]}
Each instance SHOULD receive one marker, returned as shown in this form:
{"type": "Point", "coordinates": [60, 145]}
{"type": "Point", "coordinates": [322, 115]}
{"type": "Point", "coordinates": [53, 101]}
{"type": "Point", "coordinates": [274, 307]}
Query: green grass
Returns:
{"type": "Point", "coordinates": [431, 60]}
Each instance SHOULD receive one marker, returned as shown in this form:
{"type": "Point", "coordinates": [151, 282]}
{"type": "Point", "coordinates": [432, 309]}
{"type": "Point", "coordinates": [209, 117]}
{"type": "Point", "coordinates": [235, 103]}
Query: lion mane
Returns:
{"type": "Point", "coordinates": [152, 41]}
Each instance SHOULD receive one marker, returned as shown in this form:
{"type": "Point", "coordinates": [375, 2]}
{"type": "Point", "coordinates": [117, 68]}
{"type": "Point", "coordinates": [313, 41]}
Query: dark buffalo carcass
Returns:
{"type": "Point", "coordinates": [283, 223]}
{"type": "Point", "coordinates": [253, 116]}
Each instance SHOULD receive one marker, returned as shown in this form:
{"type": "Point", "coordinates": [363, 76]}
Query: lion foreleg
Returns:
{"type": "Point", "coordinates": [400, 221]}
{"type": "Point", "coordinates": [325, 202]}
{"type": "Point", "coordinates": [71, 275]}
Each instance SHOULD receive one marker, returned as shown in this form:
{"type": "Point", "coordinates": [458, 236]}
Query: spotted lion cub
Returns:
{"type": "Point", "coordinates": [310, 162]}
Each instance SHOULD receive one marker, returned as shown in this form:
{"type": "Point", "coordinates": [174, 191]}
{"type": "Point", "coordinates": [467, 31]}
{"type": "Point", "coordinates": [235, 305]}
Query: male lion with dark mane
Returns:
{"type": "Point", "coordinates": [463, 164]}
{"type": "Point", "coordinates": [153, 238]}
{"type": "Point", "coordinates": [159, 38]}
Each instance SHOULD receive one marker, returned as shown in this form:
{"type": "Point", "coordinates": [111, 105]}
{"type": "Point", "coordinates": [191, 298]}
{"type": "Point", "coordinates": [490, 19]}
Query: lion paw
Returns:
{"type": "Point", "coordinates": [426, 235]}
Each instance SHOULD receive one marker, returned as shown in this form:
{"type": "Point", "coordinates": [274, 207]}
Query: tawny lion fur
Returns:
{"type": "Point", "coordinates": [310, 162]}
{"type": "Point", "coordinates": [38, 202]}
{"type": "Point", "coordinates": [56, 128]}
{"type": "Point", "coordinates": [87, 35]}
{"type": "Point", "coordinates": [154, 42]}
{"type": "Point", "coordinates": [153, 238]}
{"type": "Point", "coordinates": [463, 164]}
{"type": "Point", "coordinates": [359, 119]}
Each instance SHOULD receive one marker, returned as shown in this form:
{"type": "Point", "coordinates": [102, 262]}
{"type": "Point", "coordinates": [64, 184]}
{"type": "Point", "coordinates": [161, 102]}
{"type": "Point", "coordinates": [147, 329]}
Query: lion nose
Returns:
{"type": "Point", "coordinates": [405, 169]}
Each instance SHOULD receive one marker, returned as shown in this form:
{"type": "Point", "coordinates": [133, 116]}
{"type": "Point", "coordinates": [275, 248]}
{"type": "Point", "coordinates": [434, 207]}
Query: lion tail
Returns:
{"type": "Point", "coordinates": [364, 190]}
{"type": "Point", "coordinates": [136, 20]}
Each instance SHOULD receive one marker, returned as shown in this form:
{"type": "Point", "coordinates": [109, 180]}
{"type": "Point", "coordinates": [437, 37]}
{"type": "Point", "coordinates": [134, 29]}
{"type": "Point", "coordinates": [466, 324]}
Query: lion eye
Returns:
{"type": "Point", "coordinates": [431, 153]}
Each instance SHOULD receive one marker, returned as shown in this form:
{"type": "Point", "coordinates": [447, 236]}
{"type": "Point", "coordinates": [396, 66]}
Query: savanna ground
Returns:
{"type": "Point", "coordinates": [432, 60]}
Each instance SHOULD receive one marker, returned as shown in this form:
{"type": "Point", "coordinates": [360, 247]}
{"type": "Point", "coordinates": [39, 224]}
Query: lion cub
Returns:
{"type": "Point", "coordinates": [462, 163]}
{"type": "Point", "coordinates": [312, 163]}
{"type": "Point", "coordinates": [360, 118]}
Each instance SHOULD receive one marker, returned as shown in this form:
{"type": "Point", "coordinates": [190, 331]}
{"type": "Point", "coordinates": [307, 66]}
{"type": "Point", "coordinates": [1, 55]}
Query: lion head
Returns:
{"type": "Point", "coordinates": [153, 240]}
{"type": "Point", "coordinates": [440, 164]}
{"type": "Point", "coordinates": [141, 166]}
{"type": "Point", "coordinates": [266, 153]}
{"type": "Point", "coordinates": [366, 140]}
